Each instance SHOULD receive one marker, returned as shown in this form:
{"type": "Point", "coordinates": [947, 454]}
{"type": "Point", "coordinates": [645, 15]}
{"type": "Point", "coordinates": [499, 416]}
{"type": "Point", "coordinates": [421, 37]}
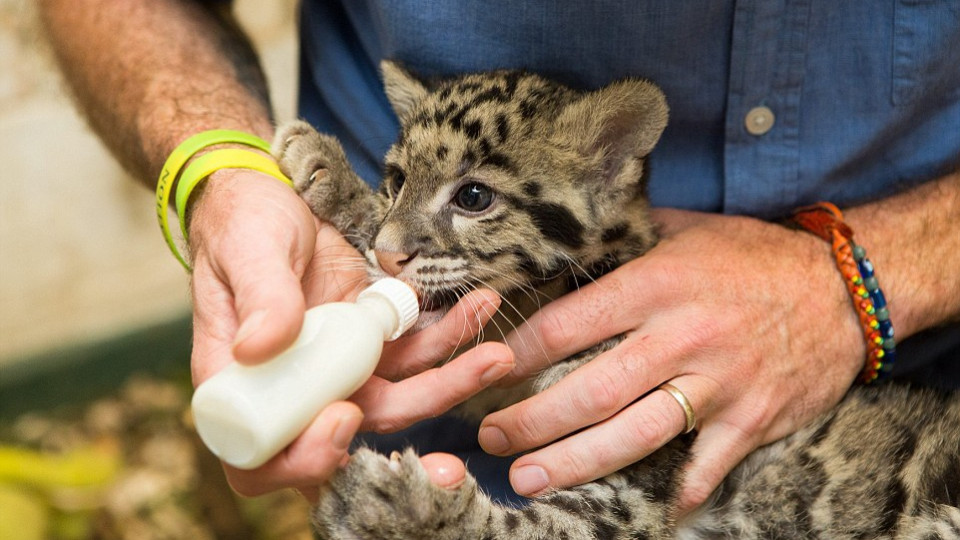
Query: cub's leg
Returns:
{"type": "Point", "coordinates": [375, 497]}
{"type": "Point", "coordinates": [324, 179]}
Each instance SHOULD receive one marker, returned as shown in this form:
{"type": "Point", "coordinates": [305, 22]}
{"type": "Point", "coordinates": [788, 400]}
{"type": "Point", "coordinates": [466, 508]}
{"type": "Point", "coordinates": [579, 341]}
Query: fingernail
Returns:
{"type": "Point", "coordinates": [345, 430]}
{"type": "Point", "coordinates": [250, 326]}
{"type": "Point", "coordinates": [529, 480]}
{"type": "Point", "coordinates": [495, 372]}
{"type": "Point", "coordinates": [493, 440]}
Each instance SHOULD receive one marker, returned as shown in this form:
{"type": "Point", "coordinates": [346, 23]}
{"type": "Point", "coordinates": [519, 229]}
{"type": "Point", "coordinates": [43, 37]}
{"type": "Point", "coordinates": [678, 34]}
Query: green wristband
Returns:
{"type": "Point", "coordinates": [208, 164]}
{"type": "Point", "coordinates": [180, 155]}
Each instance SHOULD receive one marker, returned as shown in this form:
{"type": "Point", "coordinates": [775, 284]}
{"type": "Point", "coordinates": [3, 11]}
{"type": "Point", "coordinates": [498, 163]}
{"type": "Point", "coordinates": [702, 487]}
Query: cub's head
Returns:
{"type": "Point", "coordinates": [506, 179]}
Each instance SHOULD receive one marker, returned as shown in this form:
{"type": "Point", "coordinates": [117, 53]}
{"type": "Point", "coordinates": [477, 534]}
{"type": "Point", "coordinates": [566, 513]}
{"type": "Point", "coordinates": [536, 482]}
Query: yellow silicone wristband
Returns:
{"type": "Point", "coordinates": [207, 164]}
{"type": "Point", "coordinates": [180, 155]}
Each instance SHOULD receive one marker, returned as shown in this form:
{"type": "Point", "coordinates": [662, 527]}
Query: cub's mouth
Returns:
{"type": "Point", "coordinates": [435, 303]}
{"type": "Point", "coordinates": [438, 300]}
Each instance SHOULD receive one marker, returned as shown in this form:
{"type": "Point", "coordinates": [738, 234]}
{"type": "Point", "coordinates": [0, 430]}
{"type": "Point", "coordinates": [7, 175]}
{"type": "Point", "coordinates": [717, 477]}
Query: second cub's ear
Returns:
{"type": "Point", "coordinates": [403, 90]}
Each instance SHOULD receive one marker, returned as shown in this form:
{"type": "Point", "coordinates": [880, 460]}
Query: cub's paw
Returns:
{"type": "Point", "coordinates": [375, 497]}
{"type": "Point", "coordinates": [318, 167]}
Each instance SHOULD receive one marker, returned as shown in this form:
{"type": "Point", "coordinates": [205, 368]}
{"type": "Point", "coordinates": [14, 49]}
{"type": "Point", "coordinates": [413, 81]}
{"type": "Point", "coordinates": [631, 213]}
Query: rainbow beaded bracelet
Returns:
{"type": "Point", "coordinates": [826, 221]}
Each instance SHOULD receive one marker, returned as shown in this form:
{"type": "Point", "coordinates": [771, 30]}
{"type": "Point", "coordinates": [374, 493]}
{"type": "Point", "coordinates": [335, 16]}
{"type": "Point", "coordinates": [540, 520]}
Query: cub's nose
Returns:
{"type": "Point", "coordinates": [392, 262]}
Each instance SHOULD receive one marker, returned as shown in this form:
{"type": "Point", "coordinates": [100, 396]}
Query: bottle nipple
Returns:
{"type": "Point", "coordinates": [400, 297]}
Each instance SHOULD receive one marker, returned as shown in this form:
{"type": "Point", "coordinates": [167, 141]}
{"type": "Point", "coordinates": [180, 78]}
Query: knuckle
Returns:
{"type": "Point", "coordinates": [669, 278]}
{"type": "Point", "coordinates": [696, 494]}
{"type": "Point", "coordinates": [607, 305]}
{"type": "Point", "coordinates": [708, 328]}
{"type": "Point", "coordinates": [527, 426]}
{"type": "Point", "coordinates": [410, 366]}
{"type": "Point", "coordinates": [453, 339]}
{"type": "Point", "coordinates": [752, 420]}
{"type": "Point", "coordinates": [752, 415]}
{"type": "Point", "coordinates": [554, 334]}
{"type": "Point", "coordinates": [600, 394]}
{"type": "Point", "coordinates": [703, 331]}
{"type": "Point", "coordinates": [388, 424]}
{"type": "Point", "coordinates": [651, 430]}
{"type": "Point", "coordinates": [577, 467]}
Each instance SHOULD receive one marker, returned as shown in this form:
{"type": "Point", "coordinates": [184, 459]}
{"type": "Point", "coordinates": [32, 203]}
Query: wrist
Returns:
{"type": "Point", "coordinates": [188, 177]}
{"type": "Point", "coordinates": [829, 301]}
{"type": "Point", "coordinates": [218, 177]}
{"type": "Point", "coordinates": [232, 196]}
{"type": "Point", "coordinates": [912, 240]}
{"type": "Point", "coordinates": [243, 214]}
{"type": "Point", "coordinates": [826, 221]}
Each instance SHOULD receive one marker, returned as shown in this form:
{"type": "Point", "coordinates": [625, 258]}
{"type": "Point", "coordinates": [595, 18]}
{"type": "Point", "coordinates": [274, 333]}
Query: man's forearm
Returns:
{"type": "Point", "coordinates": [914, 240]}
{"type": "Point", "coordinates": [150, 73]}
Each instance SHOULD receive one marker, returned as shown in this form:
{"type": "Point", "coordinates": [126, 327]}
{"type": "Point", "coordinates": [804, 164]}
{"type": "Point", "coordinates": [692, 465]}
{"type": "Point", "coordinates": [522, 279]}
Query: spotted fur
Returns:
{"type": "Point", "coordinates": [511, 181]}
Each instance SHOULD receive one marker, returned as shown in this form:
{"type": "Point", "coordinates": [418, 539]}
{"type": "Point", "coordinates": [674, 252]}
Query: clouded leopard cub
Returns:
{"type": "Point", "coordinates": [510, 181]}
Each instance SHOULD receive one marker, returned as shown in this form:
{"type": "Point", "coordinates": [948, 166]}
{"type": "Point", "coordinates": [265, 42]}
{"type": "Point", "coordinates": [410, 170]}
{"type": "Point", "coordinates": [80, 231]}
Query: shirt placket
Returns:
{"type": "Point", "coordinates": [762, 131]}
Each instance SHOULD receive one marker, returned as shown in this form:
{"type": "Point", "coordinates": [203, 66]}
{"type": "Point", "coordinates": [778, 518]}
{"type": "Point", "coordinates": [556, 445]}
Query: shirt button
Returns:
{"type": "Point", "coordinates": [759, 120]}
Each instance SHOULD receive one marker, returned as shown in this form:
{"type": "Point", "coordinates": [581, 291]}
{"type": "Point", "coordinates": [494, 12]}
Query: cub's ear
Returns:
{"type": "Point", "coordinates": [403, 90]}
{"type": "Point", "coordinates": [618, 125]}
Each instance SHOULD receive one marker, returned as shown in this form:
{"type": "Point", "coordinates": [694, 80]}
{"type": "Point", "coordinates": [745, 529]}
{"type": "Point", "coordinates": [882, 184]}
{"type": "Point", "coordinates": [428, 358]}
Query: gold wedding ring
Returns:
{"type": "Point", "coordinates": [684, 402]}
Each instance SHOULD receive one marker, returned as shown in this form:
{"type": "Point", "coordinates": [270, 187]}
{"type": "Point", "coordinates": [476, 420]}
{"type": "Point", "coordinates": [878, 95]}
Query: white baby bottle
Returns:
{"type": "Point", "coordinates": [247, 414]}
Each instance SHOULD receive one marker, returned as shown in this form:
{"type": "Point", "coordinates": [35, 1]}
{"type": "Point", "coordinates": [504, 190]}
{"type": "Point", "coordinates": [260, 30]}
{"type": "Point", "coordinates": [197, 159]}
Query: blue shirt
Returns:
{"type": "Point", "coordinates": [865, 96]}
{"type": "Point", "coordinates": [774, 104]}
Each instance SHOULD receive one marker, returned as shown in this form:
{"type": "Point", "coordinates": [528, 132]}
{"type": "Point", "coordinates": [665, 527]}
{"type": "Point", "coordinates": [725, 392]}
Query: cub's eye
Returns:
{"type": "Point", "coordinates": [474, 197]}
{"type": "Point", "coordinates": [395, 180]}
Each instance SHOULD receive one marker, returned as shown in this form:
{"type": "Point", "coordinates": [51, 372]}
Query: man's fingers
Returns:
{"type": "Point", "coordinates": [718, 449]}
{"type": "Point", "coordinates": [585, 317]}
{"type": "Point", "coordinates": [214, 324]}
{"type": "Point", "coordinates": [627, 437]}
{"type": "Point", "coordinates": [393, 406]}
{"type": "Point", "coordinates": [592, 393]}
{"type": "Point", "coordinates": [310, 460]}
{"type": "Point", "coordinates": [337, 271]}
{"type": "Point", "coordinates": [270, 307]}
{"type": "Point", "coordinates": [413, 354]}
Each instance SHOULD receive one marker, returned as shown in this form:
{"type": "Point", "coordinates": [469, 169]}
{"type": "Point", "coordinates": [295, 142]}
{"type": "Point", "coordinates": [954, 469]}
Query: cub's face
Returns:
{"type": "Point", "coordinates": [491, 184]}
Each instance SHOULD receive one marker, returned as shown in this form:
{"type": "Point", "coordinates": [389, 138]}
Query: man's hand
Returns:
{"type": "Point", "coordinates": [750, 320]}
{"type": "Point", "coordinates": [260, 259]}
